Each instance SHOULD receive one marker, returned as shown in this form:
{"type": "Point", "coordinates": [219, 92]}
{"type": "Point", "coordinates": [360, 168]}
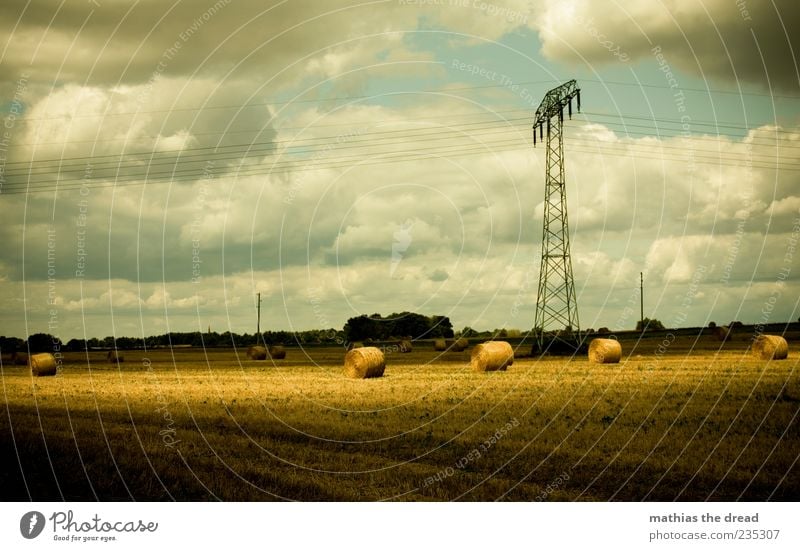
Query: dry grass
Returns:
{"type": "Point", "coordinates": [195, 425]}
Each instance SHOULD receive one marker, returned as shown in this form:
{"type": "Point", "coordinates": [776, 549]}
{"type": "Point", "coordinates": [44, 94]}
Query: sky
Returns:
{"type": "Point", "coordinates": [165, 162]}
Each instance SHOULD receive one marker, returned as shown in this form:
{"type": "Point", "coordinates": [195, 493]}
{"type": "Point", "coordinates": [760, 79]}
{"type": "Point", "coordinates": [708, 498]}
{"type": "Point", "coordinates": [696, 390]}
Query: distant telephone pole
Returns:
{"type": "Point", "coordinates": [258, 323]}
{"type": "Point", "coordinates": [641, 298]}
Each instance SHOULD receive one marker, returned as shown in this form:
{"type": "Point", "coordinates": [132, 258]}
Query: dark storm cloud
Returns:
{"type": "Point", "coordinates": [113, 42]}
{"type": "Point", "coordinates": [722, 40]}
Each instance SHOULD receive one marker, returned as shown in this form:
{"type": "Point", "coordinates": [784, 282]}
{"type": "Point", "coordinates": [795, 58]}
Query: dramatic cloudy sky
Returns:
{"type": "Point", "coordinates": [163, 162]}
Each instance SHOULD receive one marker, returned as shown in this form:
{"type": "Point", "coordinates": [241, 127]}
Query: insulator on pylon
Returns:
{"type": "Point", "coordinates": [570, 108]}
{"type": "Point", "coordinates": [561, 115]}
{"type": "Point", "coordinates": [541, 132]}
{"type": "Point", "coordinates": [534, 136]}
{"type": "Point", "coordinates": [579, 100]}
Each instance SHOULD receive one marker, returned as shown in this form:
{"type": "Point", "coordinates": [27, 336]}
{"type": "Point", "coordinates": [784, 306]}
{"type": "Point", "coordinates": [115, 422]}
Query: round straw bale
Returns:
{"type": "Point", "coordinates": [405, 346]}
{"type": "Point", "coordinates": [43, 365]}
{"type": "Point", "coordinates": [440, 345]}
{"type": "Point", "coordinates": [114, 356]}
{"type": "Point", "coordinates": [459, 345]}
{"type": "Point", "coordinates": [492, 356]}
{"type": "Point", "coordinates": [277, 352]}
{"type": "Point", "coordinates": [364, 363]}
{"type": "Point", "coordinates": [722, 332]}
{"type": "Point", "coordinates": [770, 347]}
{"type": "Point", "coordinates": [257, 353]}
{"type": "Point", "coordinates": [20, 358]}
{"type": "Point", "coordinates": [605, 351]}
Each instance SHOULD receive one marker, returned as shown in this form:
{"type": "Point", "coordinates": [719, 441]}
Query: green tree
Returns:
{"type": "Point", "coordinates": [43, 342]}
{"type": "Point", "coordinates": [648, 324]}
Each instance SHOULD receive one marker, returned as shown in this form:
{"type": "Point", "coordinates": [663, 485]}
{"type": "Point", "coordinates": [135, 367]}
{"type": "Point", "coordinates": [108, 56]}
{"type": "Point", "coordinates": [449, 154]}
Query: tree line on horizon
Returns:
{"type": "Point", "coordinates": [372, 328]}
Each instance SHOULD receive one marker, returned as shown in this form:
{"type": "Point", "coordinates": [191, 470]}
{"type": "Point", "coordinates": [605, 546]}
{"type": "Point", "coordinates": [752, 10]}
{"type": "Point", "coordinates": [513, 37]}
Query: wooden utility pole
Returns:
{"type": "Point", "coordinates": [641, 298]}
{"type": "Point", "coordinates": [258, 323]}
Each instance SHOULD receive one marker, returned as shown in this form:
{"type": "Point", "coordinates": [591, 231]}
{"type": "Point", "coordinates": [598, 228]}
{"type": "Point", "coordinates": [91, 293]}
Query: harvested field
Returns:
{"type": "Point", "coordinates": [199, 425]}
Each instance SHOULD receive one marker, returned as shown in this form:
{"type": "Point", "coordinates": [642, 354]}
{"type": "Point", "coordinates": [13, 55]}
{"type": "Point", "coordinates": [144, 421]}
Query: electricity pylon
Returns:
{"type": "Point", "coordinates": [556, 325]}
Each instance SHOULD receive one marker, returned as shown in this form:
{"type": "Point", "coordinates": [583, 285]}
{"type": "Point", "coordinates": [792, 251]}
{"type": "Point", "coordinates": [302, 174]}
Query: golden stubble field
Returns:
{"type": "Point", "coordinates": [201, 425]}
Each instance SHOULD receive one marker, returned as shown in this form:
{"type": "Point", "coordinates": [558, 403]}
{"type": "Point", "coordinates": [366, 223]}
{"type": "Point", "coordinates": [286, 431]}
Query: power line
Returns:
{"type": "Point", "coordinates": [400, 156]}
{"type": "Point", "coordinates": [404, 92]}
{"type": "Point", "coordinates": [205, 152]}
{"type": "Point", "coordinates": [370, 149]}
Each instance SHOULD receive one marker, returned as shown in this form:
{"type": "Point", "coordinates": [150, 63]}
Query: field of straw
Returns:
{"type": "Point", "coordinates": [186, 424]}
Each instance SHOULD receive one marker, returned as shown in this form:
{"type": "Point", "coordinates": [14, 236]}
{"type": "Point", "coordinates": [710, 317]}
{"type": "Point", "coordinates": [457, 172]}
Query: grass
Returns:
{"type": "Point", "coordinates": [200, 425]}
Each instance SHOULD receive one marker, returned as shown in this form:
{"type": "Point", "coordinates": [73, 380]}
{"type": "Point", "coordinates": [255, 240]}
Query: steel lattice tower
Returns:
{"type": "Point", "coordinates": [556, 325]}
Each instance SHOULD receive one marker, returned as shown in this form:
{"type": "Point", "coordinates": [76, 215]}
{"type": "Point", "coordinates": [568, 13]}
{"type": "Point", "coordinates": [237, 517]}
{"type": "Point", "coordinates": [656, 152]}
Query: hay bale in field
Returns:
{"type": "Point", "coordinates": [770, 347]}
{"type": "Point", "coordinates": [405, 347]}
{"type": "Point", "coordinates": [492, 356]}
{"type": "Point", "coordinates": [257, 353]}
{"type": "Point", "coordinates": [722, 332]}
{"type": "Point", "coordinates": [277, 352]}
{"type": "Point", "coordinates": [364, 363]}
{"type": "Point", "coordinates": [459, 345]}
{"type": "Point", "coordinates": [43, 365]}
{"type": "Point", "coordinates": [20, 358]}
{"type": "Point", "coordinates": [115, 356]}
{"type": "Point", "coordinates": [440, 345]}
{"type": "Point", "coordinates": [605, 351]}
